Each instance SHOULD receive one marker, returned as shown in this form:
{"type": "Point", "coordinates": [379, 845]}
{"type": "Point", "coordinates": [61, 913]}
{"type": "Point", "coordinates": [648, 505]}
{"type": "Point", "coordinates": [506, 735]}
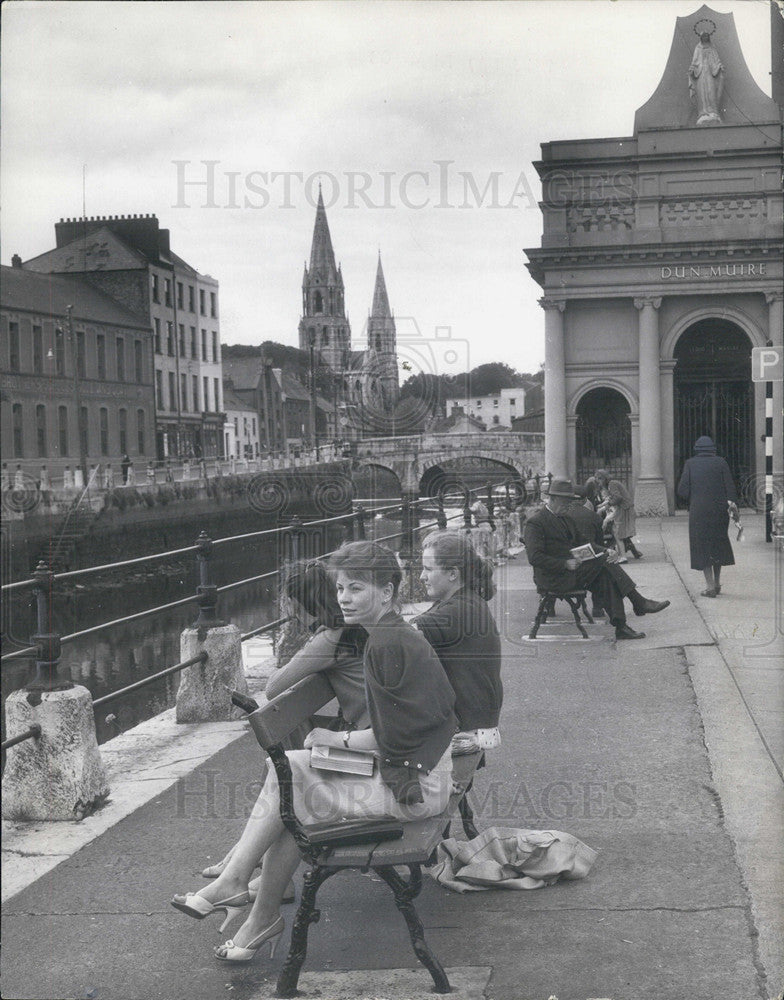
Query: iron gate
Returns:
{"type": "Point", "coordinates": [605, 444]}
{"type": "Point", "coordinates": [724, 410]}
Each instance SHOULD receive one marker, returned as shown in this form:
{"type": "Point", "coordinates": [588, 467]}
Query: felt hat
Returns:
{"type": "Point", "coordinates": [561, 488]}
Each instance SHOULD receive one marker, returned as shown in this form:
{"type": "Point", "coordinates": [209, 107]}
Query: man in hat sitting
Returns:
{"type": "Point", "coordinates": [551, 534]}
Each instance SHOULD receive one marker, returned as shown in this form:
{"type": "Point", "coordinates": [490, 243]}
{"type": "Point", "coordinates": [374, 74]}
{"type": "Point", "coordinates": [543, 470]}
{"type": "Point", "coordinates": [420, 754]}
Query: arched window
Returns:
{"type": "Point", "coordinates": [324, 336]}
{"type": "Point", "coordinates": [318, 302]}
{"type": "Point", "coordinates": [40, 429]}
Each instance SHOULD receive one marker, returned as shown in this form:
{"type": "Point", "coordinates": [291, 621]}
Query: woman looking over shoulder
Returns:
{"type": "Point", "coordinates": [461, 629]}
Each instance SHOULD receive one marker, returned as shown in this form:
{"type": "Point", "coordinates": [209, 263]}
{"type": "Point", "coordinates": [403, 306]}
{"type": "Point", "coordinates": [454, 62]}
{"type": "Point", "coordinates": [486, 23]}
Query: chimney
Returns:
{"type": "Point", "coordinates": [16, 260]}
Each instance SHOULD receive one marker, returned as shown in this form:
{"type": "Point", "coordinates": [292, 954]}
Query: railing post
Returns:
{"type": "Point", "coordinates": [207, 590]}
{"type": "Point", "coordinates": [467, 510]}
{"type": "Point", "coordinates": [490, 506]}
{"type": "Point", "coordinates": [204, 693]}
{"type": "Point", "coordinates": [62, 713]}
{"type": "Point", "coordinates": [407, 539]}
{"type": "Point", "coordinates": [294, 533]}
{"type": "Point", "coordinates": [359, 524]}
{"type": "Point", "coordinates": [440, 513]}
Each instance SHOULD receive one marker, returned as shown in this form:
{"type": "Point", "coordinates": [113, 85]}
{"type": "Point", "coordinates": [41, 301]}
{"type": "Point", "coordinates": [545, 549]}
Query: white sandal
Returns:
{"type": "Point", "coordinates": [231, 952]}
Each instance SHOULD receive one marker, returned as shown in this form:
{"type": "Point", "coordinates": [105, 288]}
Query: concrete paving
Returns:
{"type": "Point", "coordinates": [660, 754]}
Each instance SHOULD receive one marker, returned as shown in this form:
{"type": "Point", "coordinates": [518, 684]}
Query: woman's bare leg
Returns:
{"type": "Point", "coordinates": [708, 573]}
{"type": "Point", "coordinates": [280, 863]}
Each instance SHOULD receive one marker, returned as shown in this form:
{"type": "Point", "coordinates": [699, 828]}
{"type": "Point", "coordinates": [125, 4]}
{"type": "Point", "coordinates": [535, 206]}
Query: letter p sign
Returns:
{"type": "Point", "coordinates": [767, 364]}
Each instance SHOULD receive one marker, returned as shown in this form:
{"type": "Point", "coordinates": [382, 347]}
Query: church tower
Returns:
{"type": "Point", "coordinates": [381, 358]}
{"type": "Point", "coordinates": [324, 323]}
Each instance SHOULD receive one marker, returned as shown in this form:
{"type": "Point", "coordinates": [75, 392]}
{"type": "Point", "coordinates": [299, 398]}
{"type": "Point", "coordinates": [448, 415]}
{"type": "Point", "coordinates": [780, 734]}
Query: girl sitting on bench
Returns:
{"type": "Point", "coordinates": [410, 704]}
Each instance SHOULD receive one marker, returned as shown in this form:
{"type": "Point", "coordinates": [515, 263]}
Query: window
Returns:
{"type": "Point", "coordinates": [40, 429]}
{"type": "Point", "coordinates": [100, 344]}
{"type": "Point", "coordinates": [496, 419]}
{"type": "Point", "coordinates": [138, 361]}
{"type": "Point", "coordinates": [195, 384]}
{"type": "Point", "coordinates": [156, 295]}
{"type": "Point", "coordinates": [62, 428]}
{"type": "Point", "coordinates": [216, 391]}
{"type": "Point", "coordinates": [59, 351]}
{"type": "Point", "coordinates": [181, 339]}
{"type": "Point", "coordinates": [170, 338]}
{"type": "Point", "coordinates": [123, 424]}
{"type": "Point", "coordinates": [213, 305]}
{"type": "Point", "coordinates": [167, 299]}
{"type": "Point", "coordinates": [191, 299]}
{"type": "Point", "coordinates": [159, 390]}
{"type": "Point", "coordinates": [172, 392]}
{"type": "Point", "coordinates": [18, 423]}
{"type": "Point", "coordinates": [214, 346]}
{"type": "Point", "coordinates": [38, 349]}
{"type": "Point", "coordinates": [120, 359]}
{"type": "Point", "coordinates": [140, 431]}
{"type": "Point", "coordinates": [194, 348]}
{"type": "Point", "coordinates": [206, 393]}
{"type": "Point", "coordinates": [324, 337]}
{"type": "Point", "coordinates": [84, 440]}
{"type": "Point", "coordinates": [513, 401]}
{"type": "Point", "coordinates": [201, 302]}
{"type": "Point", "coordinates": [157, 324]}
{"type": "Point", "coordinates": [237, 426]}
{"type": "Point", "coordinates": [13, 351]}
{"type": "Point", "coordinates": [318, 302]}
{"type": "Point", "coordinates": [104, 430]}
{"type": "Point", "coordinates": [203, 345]}
{"type": "Point", "coordinates": [254, 426]}
{"type": "Point", "coordinates": [80, 358]}
{"type": "Point", "coordinates": [184, 392]}
{"type": "Point", "coordinates": [180, 295]}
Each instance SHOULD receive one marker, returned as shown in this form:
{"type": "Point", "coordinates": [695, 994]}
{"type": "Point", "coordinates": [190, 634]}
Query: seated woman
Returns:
{"type": "Point", "coordinates": [462, 631]}
{"type": "Point", "coordinates": [335, 649]}
{"type": "Point", "coordinates": [410, 703]}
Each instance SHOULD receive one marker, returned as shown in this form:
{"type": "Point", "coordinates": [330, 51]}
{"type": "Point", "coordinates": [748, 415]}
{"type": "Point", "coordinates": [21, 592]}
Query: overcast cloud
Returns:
{"type": "Point", "coordinates": [374, 89]}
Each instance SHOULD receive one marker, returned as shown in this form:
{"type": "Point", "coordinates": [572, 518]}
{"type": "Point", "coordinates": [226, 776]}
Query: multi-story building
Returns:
{"type": "Point", "coordinates": [130, 259]}
{"type": "Point", "coordinates": [76, 372]}
{"type": "Point", "coordinates": [496, 410]}
{"type": "Point", "coordinates": [241, 430]}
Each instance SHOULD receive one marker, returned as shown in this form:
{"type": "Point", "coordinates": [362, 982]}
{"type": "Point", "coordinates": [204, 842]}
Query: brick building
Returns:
{"type": "Point", "coordinates": [130, 259]}
{"type": "Point", "coordinates": [76, 375]}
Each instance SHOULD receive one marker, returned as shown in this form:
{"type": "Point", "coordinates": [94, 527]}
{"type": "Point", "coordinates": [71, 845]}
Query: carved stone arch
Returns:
{"type": "Point", "coordinates": [753, 331]}
{"type": "Point", "coordinates": [604, 383]}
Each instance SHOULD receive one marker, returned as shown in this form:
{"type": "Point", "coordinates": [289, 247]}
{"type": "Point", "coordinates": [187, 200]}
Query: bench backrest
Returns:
{"type": "Point", "coordinates": [274, 721]}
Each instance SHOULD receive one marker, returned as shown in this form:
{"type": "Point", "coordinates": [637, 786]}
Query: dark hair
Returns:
{"type": "Point", "coordinates": [452, 549]}
{"type": "Point", "coordinates": [368, 561]}
{"type": "Point", "coordinates": [311, 585]}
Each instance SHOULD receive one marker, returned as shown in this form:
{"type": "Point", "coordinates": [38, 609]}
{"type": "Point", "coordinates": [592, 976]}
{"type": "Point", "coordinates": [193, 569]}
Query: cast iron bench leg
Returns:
{"type": "Point", "coordinates": [541, 616]}
{"type": "Point", "coordinates": [573, 603]}
{"type": "Point", "coordinates": [405, 892]}
{"type": "Point", "coordinates": [467, 815]}
{"type": "Point", "coordinates": [307, 914]}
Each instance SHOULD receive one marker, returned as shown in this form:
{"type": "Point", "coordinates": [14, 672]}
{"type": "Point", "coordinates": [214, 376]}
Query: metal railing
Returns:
{"type": "Point", "coordinates": [47, 644]}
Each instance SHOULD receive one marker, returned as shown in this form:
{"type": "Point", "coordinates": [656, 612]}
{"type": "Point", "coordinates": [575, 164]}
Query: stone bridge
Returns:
{"type": "Point", "coordinates": [417, 457]}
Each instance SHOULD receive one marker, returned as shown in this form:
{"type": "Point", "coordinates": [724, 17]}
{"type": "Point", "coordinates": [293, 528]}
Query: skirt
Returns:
{"type": "Point", "coordinates": [327, 796]}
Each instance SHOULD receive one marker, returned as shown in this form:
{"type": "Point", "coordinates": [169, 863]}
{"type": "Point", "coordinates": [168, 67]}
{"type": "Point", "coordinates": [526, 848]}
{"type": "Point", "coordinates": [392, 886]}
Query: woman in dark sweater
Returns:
{"type": "Point", "coordinates": [461, 629]}
{"type": "Point", "coordinates": [706, 485]}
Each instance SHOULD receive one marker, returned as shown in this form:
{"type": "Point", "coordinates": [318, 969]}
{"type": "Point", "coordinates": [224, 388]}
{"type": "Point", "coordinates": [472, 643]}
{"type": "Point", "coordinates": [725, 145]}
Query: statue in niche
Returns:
{"type": "Point", "coordinates": [706, 75]}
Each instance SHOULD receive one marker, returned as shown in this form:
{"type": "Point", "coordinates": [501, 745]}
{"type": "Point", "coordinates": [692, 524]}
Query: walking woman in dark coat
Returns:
{"type": "Point", "coordinates": [706, 485]}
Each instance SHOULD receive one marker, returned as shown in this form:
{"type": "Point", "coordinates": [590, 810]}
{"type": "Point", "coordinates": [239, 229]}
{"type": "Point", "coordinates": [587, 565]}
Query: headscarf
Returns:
{"type": "Point", "coordinates": [704, 446]}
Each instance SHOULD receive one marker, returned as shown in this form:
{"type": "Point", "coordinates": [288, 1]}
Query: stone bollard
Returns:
{"type": "Point", "coordinates": [60, 775]}
{"type": "Point", "coordinates": [202, 695]}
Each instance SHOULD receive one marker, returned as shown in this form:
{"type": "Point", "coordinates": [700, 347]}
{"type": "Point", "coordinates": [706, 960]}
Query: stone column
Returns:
{"type": "Point", "coordinates": [555, 458]}
{"type": "Point", "coordinates": [650, 496]}
{"type": "Point", "coordinates": [203, 694]}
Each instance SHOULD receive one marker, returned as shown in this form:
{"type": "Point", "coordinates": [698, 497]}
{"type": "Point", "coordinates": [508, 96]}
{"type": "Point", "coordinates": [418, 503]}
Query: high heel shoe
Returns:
{"type": "Point", "coordinates": [198, 907]}
{"type": "Point", "coordinates": [231, 952]}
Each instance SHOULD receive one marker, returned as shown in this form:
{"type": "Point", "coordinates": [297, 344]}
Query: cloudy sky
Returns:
{"type": "Point", "coordinates": [404, 110]}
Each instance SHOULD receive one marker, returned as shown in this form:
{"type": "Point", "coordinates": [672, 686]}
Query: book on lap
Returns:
{"type": "Point", "coordinates": [583, 553]}
{"type": "Point", "coordinates": [343, 760]}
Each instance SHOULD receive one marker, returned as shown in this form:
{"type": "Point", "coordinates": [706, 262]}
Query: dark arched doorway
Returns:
{"type": "Point", "coordinates": [714, 395]}
{"type": "Point", "coordinates": [604, 435]}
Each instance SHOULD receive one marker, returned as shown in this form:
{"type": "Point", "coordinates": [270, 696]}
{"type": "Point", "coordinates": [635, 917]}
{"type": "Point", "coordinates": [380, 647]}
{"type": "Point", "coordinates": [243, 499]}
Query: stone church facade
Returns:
{"type": "Point", "coordinates": [368, 378]}
{"type": "Point", "coordinates": [661, 269]}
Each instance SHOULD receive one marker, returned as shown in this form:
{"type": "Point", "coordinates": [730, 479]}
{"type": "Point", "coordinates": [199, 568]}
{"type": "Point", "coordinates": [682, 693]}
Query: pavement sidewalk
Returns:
{"type": "Point", "coordinates": [660, 754]}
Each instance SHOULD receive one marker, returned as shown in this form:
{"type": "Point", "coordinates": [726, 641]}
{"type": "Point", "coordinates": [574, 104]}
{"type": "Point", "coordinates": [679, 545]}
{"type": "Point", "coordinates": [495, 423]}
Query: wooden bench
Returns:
{"type": "Point", "coordinates": [574, 598]}
{"type": "Point", "coordinates": [272, 723]}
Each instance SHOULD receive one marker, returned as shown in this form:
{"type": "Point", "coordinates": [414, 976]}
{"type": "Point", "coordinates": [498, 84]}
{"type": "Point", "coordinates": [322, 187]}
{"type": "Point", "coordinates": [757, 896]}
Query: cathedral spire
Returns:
{"type": "Point", "coordinates": [322, 256]}
{"type": "Point", "coordinates": [380, 308]}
